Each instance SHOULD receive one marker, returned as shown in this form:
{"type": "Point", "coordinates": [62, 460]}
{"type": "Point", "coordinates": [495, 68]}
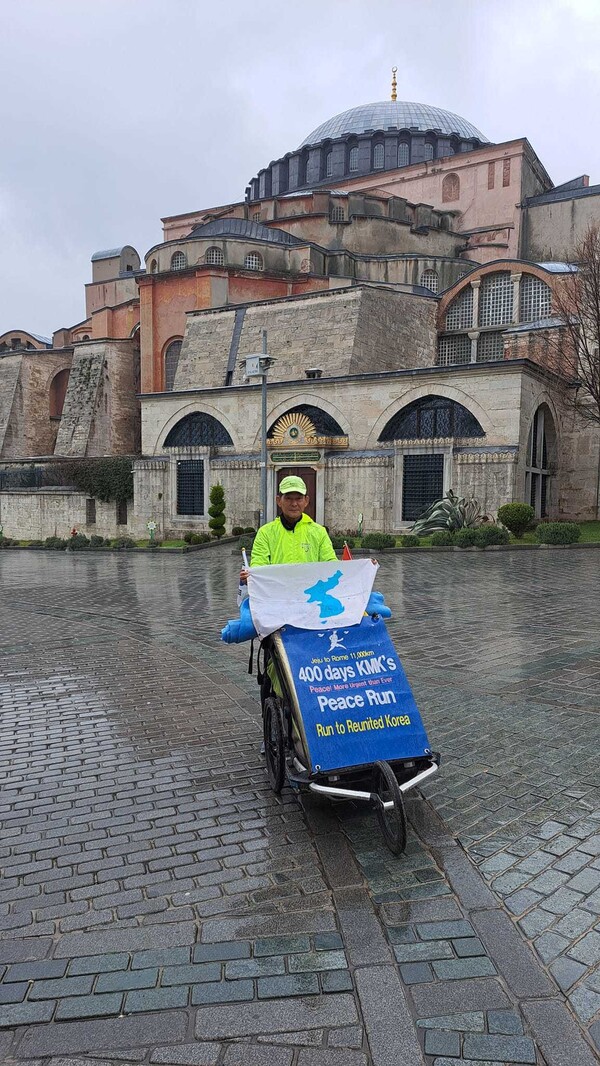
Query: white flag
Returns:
{"type": "Point", "coordinates": [310, 595]}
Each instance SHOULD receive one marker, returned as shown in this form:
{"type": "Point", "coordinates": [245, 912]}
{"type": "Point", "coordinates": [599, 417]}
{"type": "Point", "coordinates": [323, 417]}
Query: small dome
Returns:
{"type": "Point", "coordinates": [394, 115]}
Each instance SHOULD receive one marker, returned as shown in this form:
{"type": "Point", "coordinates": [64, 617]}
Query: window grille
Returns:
{"type": "Point", "coordinates": [453, 350]}
{"type": "Point", "coordinates": [496, 300]}
{"type": "Point", "coordinates": [378, 157]}
{"type": "Point", "coordinates": [253, 261]}
{"type": "Point", "coordinates": [460, 312]}
{"type": "Point", "coordinates": [256, 216]}
{"type": "Point", "coordinates": [428, 151]}
{"type": "Point", "coordinates": [190, 486]}
{"type": "Point", "coordinates": [90, 512]}
{"type": "Point", "coordinates": [171, 361]}
{"type": "Point", "coordinates": [353, 159]}
{"type": "Point", "coordinates": [121, 512]}
{"type": "Point", "coordinates": [329, 164]}
{"type": "Point", "coordinates": [430, 418]}
{"type": "Point", "coordinates": [536, 299]}
{"type": "Point", "coordinates": [422, 483]}
{"type": "Point", "coordinates": [178, 261]}
{"type": "Point", "coordinates": [403, 154]}
{"type": "Point", "coordinates": [198, 430]}
{"type": "Point", "coordinates": [490, 346]}
{"type": "Point", "coordinates": [337, 214]}
{"type": "Point", "coordinates": [430, 280]}
{"type": "Point", "coordinates": [215, 256]}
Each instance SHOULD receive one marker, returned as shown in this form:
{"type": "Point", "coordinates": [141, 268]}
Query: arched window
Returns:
{"type": "Point", "coordinates": [460, 312]}
{"type": "Point", "coordinates": [198, 430]}
{"type": "Point", "coordinates": [429, 152]}
{"type": "Point", "coordinates": [403, 154]}
{"type": "Point", "coordinates": [58, 391]}
{"type": "Point", "coordinates": [496, 299]}
{"type": "Point", "coordinates": [337, 214]}
{"type": "Point", "coordinates": [153, 266]}
{"type": "Point", "coordinates": [431, 418]}
{"type": "Point", "coordinates": [353, 159]}
{"type": "Point", "coordinates": [329, 164]}
{"type": "Point", "coordinates": [540, 455]}
{"type": "Point", "coordinates": [172, 353]}
{"type": "Point", "coordinates": [535, 299]}
{"type": "Point", "coordinates": [430, 280]}
{"type": "Point", "coordinates": [253, 261]}
{"type": "Point", "coordinates": [178, 261]}
{"type": "Point", "coordinates": [85, 337]}
{"type": "Point", "coordinates": [378, 156]}
{"type": "Point", "coordinates": [450, 188]}
{"type": "Point", "coordinates": [215, 256]}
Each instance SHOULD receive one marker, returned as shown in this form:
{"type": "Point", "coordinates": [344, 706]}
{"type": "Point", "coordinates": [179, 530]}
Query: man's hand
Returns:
{"type": "Point", "coordinates": [244, 576]}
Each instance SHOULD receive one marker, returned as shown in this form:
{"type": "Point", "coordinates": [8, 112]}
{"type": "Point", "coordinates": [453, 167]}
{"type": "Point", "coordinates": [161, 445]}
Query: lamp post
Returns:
{"type": "Point", "coordinates": [256, 366]}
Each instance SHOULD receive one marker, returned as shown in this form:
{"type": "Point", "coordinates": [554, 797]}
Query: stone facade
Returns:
{"type": "Point", "coordinates": [55, 512]}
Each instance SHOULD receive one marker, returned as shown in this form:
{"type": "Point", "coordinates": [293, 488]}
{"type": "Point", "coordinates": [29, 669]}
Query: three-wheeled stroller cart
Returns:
{"type": "Point", "coordinates": [348, 772]}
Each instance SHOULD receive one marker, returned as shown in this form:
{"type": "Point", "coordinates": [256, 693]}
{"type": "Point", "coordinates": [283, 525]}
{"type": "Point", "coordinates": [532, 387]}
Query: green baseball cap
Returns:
{"type": "Point", "coordinates": [291, 483]}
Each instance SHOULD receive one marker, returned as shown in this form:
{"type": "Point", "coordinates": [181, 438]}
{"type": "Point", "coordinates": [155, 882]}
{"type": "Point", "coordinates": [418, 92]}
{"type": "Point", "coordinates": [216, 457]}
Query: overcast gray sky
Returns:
{"type": "Point", "coordinates": [117, 112]}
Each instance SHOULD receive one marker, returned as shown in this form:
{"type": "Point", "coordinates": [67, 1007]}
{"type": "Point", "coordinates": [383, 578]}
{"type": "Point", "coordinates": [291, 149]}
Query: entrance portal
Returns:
{"type": "Point", "coordinates": [309, 477]}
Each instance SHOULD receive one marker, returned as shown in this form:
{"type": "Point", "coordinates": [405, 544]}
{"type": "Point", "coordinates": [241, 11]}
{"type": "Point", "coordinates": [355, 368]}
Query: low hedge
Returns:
{"type": "Point", "coordinates": [378, 541]}
{"type": "Point", "coordinates": [486, 535]}
{"type": "Point", "coordinates": [409, 540]}
{"type": "Point", "coordinates": [517, 517]}
{"type": "Point", "coordinates": [442, 539]}
{"type": "Point", "coordinates": [557, 533]}
{"type": "Point", "coordinates": [466, 537]}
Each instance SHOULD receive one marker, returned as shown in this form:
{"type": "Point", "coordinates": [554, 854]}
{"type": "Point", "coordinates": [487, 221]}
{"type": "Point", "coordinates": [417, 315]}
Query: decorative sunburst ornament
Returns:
{"type": "Point", "coordinates": [293, 430]}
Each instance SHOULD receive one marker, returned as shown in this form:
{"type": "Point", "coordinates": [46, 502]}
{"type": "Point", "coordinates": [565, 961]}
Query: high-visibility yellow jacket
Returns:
{"type": "Point", "coordinates": [307, 542]}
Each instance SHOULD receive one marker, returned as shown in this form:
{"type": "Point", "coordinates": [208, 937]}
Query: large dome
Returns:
{"type": "Point", "coordinates": [394, 115]}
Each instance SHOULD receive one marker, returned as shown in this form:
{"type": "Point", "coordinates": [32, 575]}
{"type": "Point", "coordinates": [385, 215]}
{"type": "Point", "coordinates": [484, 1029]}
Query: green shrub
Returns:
{"type": "Point", "coordinates": [104, 477]}
{"type": "Point", "coordinates": [78, 541]}
{"type": "Point", "coordinates": [517, 517]}
{"type": "Point", "coordinates": [378, 541]}
{"type": "Point", "coordinates": [249, 529]}
{"type": "Point", "coordinates": [466, 537]}
{"type": "Point", "coordinates": [410, 541]}
{"type": "Point", "coordinates": [58, 543]}
{"type": "Point", "coordinates": [488, 534]}
{"type": "Point", "coordinates": [237, 531]}
{"type": "Point", "coordinates": [217, 511]}
{"type": "Point", "coordinates": [5, 542]}
{"type": "Point", "coordinates": [442, 539]}
{"type": "Point", "coordinates": [558, 532]}
{"type": "Point", "coordinates": [337, 540]}
{"type": "Point", "coordinates": [187, 536]}
{"type": "Point", "coordinates": [199, 538]}
{"type": "Point", "coordinates": [245, 542]}
{"type": "Point", "coordinates": [123, 542]}
{"type": "Point", "coordinates": [96, 541]}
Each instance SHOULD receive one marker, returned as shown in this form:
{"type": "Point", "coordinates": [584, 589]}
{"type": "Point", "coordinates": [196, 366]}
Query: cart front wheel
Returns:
{"type": "Point", "coordinates": [274, 743]}
{"type": "Point", "coordinates": [392, 819]}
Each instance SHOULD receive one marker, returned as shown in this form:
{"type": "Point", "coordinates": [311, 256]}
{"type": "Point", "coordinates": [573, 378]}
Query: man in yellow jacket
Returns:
{"type": "Point", "coordinates": [293, 537]}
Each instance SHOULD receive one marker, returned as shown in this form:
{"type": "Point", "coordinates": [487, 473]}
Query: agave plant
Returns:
{"type": "Point", "coordinates": [452, 512]}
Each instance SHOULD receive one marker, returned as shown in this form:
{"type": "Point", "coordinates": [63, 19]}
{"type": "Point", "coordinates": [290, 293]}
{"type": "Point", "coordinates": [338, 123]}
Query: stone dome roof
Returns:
{"type": "Point", "coordinates": [395, 115]}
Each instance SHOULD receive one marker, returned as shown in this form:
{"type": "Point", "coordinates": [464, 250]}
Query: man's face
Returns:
{"type": "Point", "coordinates": [292, 505]}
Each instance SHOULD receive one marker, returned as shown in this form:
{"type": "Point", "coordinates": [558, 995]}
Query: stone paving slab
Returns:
{"type": "Point", "coordinates": [145, 852]}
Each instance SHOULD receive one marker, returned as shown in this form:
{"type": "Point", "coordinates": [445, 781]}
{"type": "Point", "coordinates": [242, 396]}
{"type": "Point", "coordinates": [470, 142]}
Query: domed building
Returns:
{"type": "Point", "coordinates": [366, 140]}
{"type": "Point", "coordinates": [405, 270]}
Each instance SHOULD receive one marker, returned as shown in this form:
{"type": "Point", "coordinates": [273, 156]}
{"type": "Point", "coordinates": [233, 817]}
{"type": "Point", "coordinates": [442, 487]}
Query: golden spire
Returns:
{"type": "Point", "coordinates": [394, 95]}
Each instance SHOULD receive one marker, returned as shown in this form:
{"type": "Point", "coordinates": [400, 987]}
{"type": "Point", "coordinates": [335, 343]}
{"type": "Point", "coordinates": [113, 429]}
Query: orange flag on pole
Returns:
{"type": "Point", "coordinates": [346, 554]}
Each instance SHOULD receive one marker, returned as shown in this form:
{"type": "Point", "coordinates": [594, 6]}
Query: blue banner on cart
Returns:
{"type": "Point", "coordinates": [355, 700]}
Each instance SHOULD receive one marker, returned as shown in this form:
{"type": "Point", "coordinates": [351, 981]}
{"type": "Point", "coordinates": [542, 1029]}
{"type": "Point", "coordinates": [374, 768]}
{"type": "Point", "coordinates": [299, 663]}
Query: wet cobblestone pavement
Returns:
{"type": "Point", "coordinates": [159, 905]}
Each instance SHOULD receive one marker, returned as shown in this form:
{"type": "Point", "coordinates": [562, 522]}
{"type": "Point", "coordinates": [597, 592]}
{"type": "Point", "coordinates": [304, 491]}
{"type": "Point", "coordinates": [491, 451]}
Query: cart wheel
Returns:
{"type": "Point", "coordinates": [393, 820]}
{"type": "Point", "coordinates": [274, 744]}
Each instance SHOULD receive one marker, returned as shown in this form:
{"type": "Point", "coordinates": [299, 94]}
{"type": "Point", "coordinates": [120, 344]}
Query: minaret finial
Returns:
{"type": "Point", "coordinates": [394, 94]}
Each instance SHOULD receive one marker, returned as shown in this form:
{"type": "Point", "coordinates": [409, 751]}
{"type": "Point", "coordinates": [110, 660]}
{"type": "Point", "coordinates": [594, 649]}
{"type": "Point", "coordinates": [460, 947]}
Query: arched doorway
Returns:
{"type": "Point", "coordinates": [309, 476]}
{"type": "Point", "coordinates": [540, 461]}
{"type": "Point", "coordinates": [296, 442]}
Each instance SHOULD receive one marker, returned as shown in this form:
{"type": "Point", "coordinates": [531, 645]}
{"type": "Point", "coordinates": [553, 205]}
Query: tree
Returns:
{"type": "Point", "coordinates": [217, 510]}
{"type": "Point", "coordinates": [575, 346]}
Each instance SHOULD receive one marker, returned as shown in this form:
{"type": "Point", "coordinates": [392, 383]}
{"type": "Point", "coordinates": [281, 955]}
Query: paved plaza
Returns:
{"type": "Point", "coordinates": [158, 904]}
